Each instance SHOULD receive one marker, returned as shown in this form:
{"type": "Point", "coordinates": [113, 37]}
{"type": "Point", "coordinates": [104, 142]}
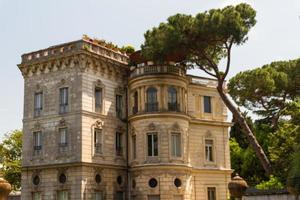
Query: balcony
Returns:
{"type": "Point", "coordinates": [174, 107]}
{"type": "Point", "coordinates": [158, 69]}
{"type": "Point", "coordinates": [151, 107]}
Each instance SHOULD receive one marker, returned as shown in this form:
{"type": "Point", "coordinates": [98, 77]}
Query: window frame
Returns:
{"type": "Point", "coordinates": [58, 191]}
{"type": "Point", "coordinates": [37, 192]}
{"type": "Point", "coordinates": [207, 162]}
{"type": "Point", "coordinates": [172, 105]}
{"type": "Point", "coordinates": [207, 187]}
{"type": "Point", "coordinates": [119, 106]}
{"type": "Point", "coordinates": [171, 144]}
{"type": "Point", "coordinates": [134, 147]}
{"type": "Point", "coordinates": [100, 88]}
{"type": "Point", "coordinates": [151, 99]}
{"type": "Point", "coordinates": [37, 148]}
{"type": "Point", "coordinates": [152, 144]}
{"type": "Point", "coordinates": [119, 144]}
{"type": "Point", "coordinates": [210, 110]}
{"type": "Point", "coordinates": [66, 138]}
{"type": "Point", "coordinates": [64, 107]}
{"type": "Point", "coordinates": [38, 110]}
{"type": "Point", "coordinates": [101, 140]}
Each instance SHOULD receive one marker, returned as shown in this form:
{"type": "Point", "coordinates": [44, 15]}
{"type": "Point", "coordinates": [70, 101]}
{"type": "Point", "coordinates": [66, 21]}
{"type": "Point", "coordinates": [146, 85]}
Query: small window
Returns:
{"type": "Point", "coordinates": [63, 134]}
{"type": "Point", "coordinates": [207, 104]}
{"type": "Point", "coordinates": [36, 180]}
{"type": "Point", "coordinates": [209, 147]}
{"type": "Point", "coordinates": [63, 100]}
{"type": "Point", "coordinates": [98, 140]}
{"type": "Point", "coordinates": [98, 99]}
{"type": "Point", "coordinates": [62, 195]}
{"type": "Point", "coordinates": [119, 106]}
{"type": "Point", "coordinates": [152, 182]}
{"type": "Point", "coordinates": [37, 141]}
{"type": "Point", "coordinates": [36, 196]}
{"type": "Point", "coordinates": [152, 144]}
{"type": "Point", "coordinates": [178, 197]}
{"type": "Point", "coordinates": [119, 149]}
{"type": "Point", "coordinates": [211, 193]}
{"type": "Point", "coordinates": [98, 195]}
{"type": "Point", "coordinates": [176, 144]}
{"type": "Point", "coordinates": [134, 146]}
{"type": "Point", "coordinates": [38, 104]}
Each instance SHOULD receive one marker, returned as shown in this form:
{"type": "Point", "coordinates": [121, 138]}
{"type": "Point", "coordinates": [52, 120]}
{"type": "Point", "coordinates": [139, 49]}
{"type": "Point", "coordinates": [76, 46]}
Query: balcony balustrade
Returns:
{"type": "Point", "coordinates": [158, 69]}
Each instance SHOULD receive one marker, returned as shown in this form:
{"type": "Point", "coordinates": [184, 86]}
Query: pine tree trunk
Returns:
{"type": "Point", "coordinates": [239, 118]}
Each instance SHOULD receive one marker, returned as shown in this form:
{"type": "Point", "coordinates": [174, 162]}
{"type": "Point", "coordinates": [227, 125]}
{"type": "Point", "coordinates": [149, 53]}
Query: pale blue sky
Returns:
{"type": "Point", "coordinates": [28, 25]}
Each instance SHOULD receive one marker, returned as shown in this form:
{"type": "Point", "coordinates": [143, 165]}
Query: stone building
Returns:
{"type": "Point", "coordinates": [96, 127]}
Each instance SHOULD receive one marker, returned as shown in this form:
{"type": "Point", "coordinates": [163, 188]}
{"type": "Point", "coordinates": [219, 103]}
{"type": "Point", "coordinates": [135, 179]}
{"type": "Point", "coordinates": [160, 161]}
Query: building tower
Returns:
{"type": "Point", "coordinates": [96, 128]}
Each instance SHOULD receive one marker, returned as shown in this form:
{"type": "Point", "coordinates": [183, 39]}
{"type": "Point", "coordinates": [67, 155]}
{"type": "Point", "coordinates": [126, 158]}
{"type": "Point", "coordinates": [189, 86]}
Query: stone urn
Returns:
{"type": "Point", "coordinates": [237, 187]}
{"type": "Point", "coordinates": [5, 189]}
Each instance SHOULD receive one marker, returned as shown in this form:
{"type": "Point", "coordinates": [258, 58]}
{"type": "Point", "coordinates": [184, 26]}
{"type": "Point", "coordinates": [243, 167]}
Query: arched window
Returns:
{"type": "Point", "coordinates": [152, 104]}
{"type": "Point", "coordinates": [135, 103]}
{"type": "Point", "coordinates": [172, 99]}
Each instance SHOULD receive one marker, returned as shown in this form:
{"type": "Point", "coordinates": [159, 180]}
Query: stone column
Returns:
{"type": "Point", "coordinates": [5, 189]}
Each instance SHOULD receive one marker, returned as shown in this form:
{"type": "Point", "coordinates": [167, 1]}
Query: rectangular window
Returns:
{"type": "Point", "coordinates": [37, 140]}
{"type": "Point", "coordinates": [98, 99]}
{"type": "Point", "coordinates": [119, 106]}
{"type": "Point", "coordinates": [119, 196]}
{"type": "Point", "coordinates": [153, 197]}
{"type": "Point", "coordinates": [62, 195]}
{"type": "Point", "coordinates": [98, 195]}
{"type": "Point", "coordinates": [98, 140]}
{"type": "Point", "coordinates": [38, 104]}
{"type": "Point", "coordinates": [134, 146]}
{"type": "Point", "coordinates": [119, 149]}
{"type": "Point", "coordinates": [207, 104]}
{"type": "Point", "coordinates": [209, 147]}
{"type": "Point", "coordinates": [36, 196]}
{"type": "Point", "coordinates": [211, 193]}
{"type": "Point", "coordinates": [63, 100]}
{"type": "Point", "coordinates": [63, 136]}
{"type": "Point", "coordinates": [176, 144]}
{"type": "Point", "coordinates": [152, 144]}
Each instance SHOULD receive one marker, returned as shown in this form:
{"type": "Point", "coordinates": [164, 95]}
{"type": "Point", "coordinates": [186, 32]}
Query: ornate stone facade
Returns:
{"type": "Point", "coordinates": [95, 128]}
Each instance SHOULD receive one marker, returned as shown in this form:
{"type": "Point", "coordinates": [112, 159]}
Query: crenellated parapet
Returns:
{"type": "Point", "coordinates": [84, 54]}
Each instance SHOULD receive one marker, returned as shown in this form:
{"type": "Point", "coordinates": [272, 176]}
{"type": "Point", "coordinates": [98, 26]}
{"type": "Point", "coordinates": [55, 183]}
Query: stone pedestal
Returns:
{"type": "Point", "coordinates": [5, 189]}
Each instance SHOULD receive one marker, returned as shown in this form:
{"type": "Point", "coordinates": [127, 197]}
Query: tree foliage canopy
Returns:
{"type": "Point", "coordinates": [10, 158]}
{"type": "Point", "coordinates": [204, 39]}
{"type": "Point", "coordinates": [267, 91]}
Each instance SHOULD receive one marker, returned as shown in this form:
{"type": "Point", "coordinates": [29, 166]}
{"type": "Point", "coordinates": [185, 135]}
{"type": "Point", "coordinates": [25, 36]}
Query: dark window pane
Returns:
{"type": "Point", "coordinates": [119, 106]}
{"type": "Point", "coordinates": [207, 104]}
{"type": "Point", "coordinates": [98, 99]}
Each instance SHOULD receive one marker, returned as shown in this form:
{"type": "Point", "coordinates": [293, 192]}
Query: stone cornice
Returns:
{"type": "Point", "coordinates": [81, 54]}
{"type": "Point", "coordinates": [210, 122]}
{"type": "Point", "coordinates": [180, 167]}
{"type": "Point", "coordinates": [72, 164]}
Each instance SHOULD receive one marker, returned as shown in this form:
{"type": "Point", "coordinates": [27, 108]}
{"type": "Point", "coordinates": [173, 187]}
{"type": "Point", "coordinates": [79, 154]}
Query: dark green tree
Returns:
{"type": "Point", "coordinates": [293, 180]}
{"type": "Point", "coordinates": [10, 154]}
{"type": "Point", "coordinates": [203, 41]}
{"type": "Point", "coordinates": [267, 91]}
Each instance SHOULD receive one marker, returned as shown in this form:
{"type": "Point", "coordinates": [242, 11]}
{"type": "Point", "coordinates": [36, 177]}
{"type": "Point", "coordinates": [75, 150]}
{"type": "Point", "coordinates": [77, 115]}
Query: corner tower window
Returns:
{"type": "Point", "coordinates": [172, 99]}
{"type": "Point", "coordinates": [152, 144]}
{"type": "Point", "coordinates": [38, 104]}
{"type": "Point", "coordinates": [152, 104]}
{"type": "Point", "coordinates": [63, 100]}
{"type": "Point", "coordinates": [98, 99]}
{"type": "Point", "coordinates": [63, 133]}
{"type": "Point", "coordinates": [119, 149]}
